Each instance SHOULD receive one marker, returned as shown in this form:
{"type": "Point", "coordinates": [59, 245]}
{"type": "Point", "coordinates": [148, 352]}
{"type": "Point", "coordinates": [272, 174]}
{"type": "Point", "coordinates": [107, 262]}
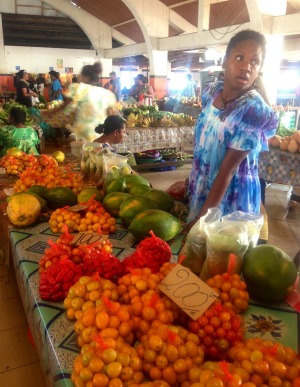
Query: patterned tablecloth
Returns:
{"type": "Point", "coordinates": [280, 167]}
{"type": "Point", "coordinates": [60, 120]}
{"type": "Point", "coordinates": [53, 334]}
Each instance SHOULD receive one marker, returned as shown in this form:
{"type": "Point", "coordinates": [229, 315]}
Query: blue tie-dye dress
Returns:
{"type": "Point", "coordinates": [245, 124]}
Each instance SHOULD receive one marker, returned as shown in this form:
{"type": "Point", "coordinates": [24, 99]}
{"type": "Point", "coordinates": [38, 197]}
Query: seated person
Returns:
{"type": "Point", "coordinates": [17, 134]}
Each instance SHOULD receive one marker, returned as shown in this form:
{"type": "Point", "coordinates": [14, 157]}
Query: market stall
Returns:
{"type": "Point", "coordinates": [53, 333]}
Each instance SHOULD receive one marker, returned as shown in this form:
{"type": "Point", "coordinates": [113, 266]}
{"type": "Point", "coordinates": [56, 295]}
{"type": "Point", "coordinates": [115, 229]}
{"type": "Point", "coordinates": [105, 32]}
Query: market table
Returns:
{"type": "Point", "coordinates": [53, 334]}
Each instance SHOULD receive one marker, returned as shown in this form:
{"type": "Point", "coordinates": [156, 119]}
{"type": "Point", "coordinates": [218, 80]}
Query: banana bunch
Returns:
{"type": "Point", "coordinates": [131, 120]}
{"type": "Point", "coordinates": [146, 122]}
{"type": "Point", "coordinates": [167, 122]}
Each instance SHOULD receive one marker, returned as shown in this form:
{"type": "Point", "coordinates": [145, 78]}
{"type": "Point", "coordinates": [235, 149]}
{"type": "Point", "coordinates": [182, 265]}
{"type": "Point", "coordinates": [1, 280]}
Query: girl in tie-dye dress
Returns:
{"type": "Point", "coordinates": [232, 129]}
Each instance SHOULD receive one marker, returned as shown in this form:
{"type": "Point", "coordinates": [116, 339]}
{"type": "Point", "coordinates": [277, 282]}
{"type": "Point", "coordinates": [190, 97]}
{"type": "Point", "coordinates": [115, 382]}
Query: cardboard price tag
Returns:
{"type": "Point", "coordinates": [88, 238]}
{"type": "Point", "coordinates": [9, 191]}
{"type": "Point", "coordinates": [78, 207]}
{"type": "Point", "coordinates": [188, 291]}
{"type": "Point", "coordinates": [2, 171]}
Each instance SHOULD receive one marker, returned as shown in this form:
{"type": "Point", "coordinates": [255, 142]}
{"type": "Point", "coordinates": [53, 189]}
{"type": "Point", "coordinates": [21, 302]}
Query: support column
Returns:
{"type": "Point", "coordinates": [271, 68]}
{"type": "Point", "coordinates": [3, 65]}
{"type": "Point", "coordinates": [153, 18]}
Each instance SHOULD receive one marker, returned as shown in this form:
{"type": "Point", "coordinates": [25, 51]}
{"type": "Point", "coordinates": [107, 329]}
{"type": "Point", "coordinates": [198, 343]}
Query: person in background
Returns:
{"type": "Point", "coordinates": [112, 130]}
{"type": "Point", "coordinates": [55, 91]}
{"type": "Point", "coordinates": [74, 80]}
{"type": "Point", "coordinates": [41, 86]}
{"type": "Point", "coordinates": [233, 127]}
{"type": "Point", "coordinates": [17, 134]}
{"type": "Point", "coordinates": [24, 94]}
{"type": "Point", "coordinates": [92, 104]}
{"type": "Point", "coordinates": [116, 85]}
{"type": "Point", "coordinates": [190, 88]}
{"type": "Point", "coordinates": [140, 90]}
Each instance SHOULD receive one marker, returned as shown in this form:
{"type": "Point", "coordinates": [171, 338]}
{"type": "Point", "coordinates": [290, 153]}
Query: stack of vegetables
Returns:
{"type": "Point", "coordinates": [290, 143]}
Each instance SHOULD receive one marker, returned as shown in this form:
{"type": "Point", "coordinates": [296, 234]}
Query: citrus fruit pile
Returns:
{"type": "Point", "coordinates": [49, 175]}
{"type": "Point", "coordinates": [130, 334]}
{"type": "Point", "coordinates": [14, 165]}
{"type": "Point", "coordinates": [92, 218]}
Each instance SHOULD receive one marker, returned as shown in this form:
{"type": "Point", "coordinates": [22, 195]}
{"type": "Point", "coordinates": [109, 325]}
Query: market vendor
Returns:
{"type": "Point", "coordinates": [113, 131]}
{"type": "Point", "coordinates": [17, 134]}
{"type": "Point", "coordinates": [232, 129]}
{"type": "Point", "coordinates": [91, 103]}
{"type": "Point", "coordinates": [140, 91]}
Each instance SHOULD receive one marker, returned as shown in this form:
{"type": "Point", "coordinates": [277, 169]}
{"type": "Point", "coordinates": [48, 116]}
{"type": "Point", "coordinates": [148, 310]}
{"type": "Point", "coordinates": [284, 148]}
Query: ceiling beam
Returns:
{"type": "Point", "coordinates": [131, 50]}
{"type": "Point", "coordinates": [179, 23]}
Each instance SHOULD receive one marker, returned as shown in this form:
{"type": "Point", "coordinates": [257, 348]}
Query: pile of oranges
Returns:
{"type": "Point", "coordinates": [130, 334]}
{"type": "Point", "coordinates": [93, 218]}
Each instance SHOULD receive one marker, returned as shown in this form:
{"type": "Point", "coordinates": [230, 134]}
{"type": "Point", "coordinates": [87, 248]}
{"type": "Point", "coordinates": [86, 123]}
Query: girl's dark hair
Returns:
{"type": "Point", "coordinates": [247, 35]}
{"type": "Point", "coordinates": [110, 125]}
{"type": "Point", "coordinates": [18, 115]}
{"type": "Point", "coordinates": [92, 71]}
{"type": "Point", "coordinates": [54, 74]}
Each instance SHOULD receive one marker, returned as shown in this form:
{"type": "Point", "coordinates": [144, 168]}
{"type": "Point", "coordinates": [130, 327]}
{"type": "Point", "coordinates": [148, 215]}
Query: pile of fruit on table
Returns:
{"type": "Point", "coordinates": [129, 332]}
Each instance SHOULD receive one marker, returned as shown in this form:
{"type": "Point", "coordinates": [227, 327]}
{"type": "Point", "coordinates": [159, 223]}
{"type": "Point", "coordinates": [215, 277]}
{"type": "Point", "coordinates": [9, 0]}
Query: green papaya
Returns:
{"type": "Point", "coordinates": [134, 205]}
{"type": "Point", "coordinates": [113, 201]}
{"type": "Point", "coordinates": [60, 197]}
{"type": "Point", "coordinates": [164, 201]}
{"type": "Point", "coordinates": [116, 185]}
{"type": "Point", "coordinates": [163, 224]}
{"type": "Point", "coordinates": [132, 180]}
{"type": "Point", "coordinates": [139, 189]}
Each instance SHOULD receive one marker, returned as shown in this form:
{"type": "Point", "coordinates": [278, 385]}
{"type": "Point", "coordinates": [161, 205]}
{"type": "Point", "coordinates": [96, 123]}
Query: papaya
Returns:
{"type": "Point", "coordinates": [132, 180]}
{"type": "Point", "coordinates": [134, 205]}
{"type": "Point", "coordinates": [164, 200]}
{"type": "Point", "coordinates": [113, 201]}
{"type": "Point", "coordinates": [60, 197]}
{"type": "Point", "coordinates": [87, 193]}
{"type": "Point", "coordinates": [116, 185]}
{"type": "Point", "coordinates": [23, 209]}
{"type": "Point", "coordinates": [139, 189]}
{"type": "Point", "coordinates": [38, 189]}
{"type": "Point", "coordinates": [269, 273]}
{"type": "Point", "coordinates": [163, 224]}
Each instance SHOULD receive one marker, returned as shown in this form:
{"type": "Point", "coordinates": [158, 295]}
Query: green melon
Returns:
{"type": "Point", "coordinates": [60, 197]}
{"type": "Point", "coordinates": [269, 273]}
{"type": "Point", "coordinates": [163, 224]}
{"type": "Point", "coordinates": [164, 201]}
{"type": "Point", "coordinates": [38, 189]}
{"type": "Point", "coordinates": [133, 206]}
{"type": "Point", "coordinates": [113, 201]}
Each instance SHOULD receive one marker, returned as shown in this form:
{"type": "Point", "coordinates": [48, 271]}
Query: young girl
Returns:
{"type": "Point", "coordinates": [17, 134]}
{"type": "Point", "coordinates": [232, 129]}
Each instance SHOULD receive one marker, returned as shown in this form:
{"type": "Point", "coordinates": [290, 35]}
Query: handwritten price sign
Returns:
{"type": "Point", "coordinates": [78, 207]}
{"type": "Point", "coordinates": [187, 290]}
{"type": "Point", "coordinates": [88, 238]}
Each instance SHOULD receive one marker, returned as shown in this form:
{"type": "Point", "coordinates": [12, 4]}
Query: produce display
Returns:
{"type": "Point", "coordinates": [148, 116]}
{"type": "Point", "coordinates": [129, 332]}
{"type": "Point", "coordinates": [5, 109]}
{"type": "Point", "coordinates": [289, 143]}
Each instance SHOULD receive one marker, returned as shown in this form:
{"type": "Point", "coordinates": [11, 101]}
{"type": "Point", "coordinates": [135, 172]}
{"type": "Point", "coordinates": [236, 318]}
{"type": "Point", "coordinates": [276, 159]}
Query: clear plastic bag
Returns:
{"type": "Point", "coordinates": [115, 166]}
{"type": "Point", "coordinates": [193, 253]}
{"type": "Point", "coordinates": [226, 245]}
{"type": "Point", "coordinates": [88, 164]}
{"type": "Point", "coordinates": [253, 222]}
